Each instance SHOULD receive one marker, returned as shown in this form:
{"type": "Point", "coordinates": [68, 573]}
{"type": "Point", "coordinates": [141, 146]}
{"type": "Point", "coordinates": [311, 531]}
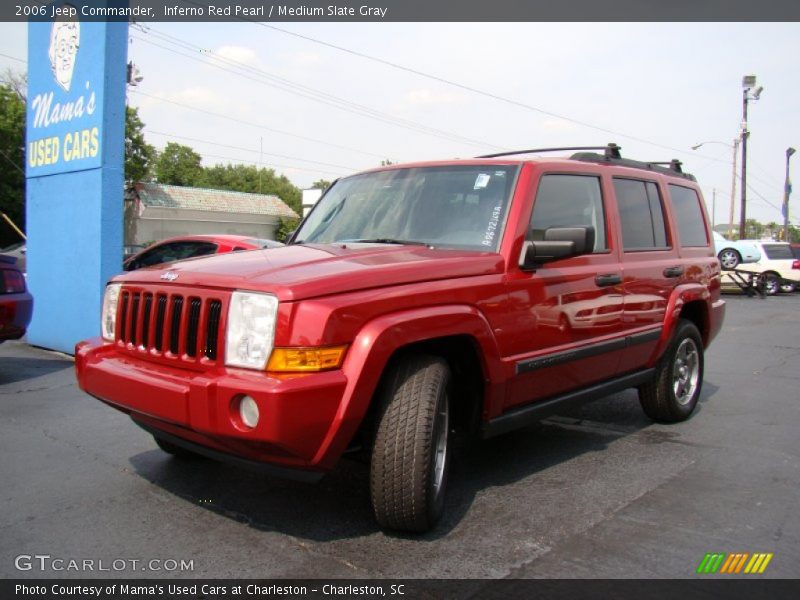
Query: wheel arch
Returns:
{"type": "Point", "coordinates": [458, 333]}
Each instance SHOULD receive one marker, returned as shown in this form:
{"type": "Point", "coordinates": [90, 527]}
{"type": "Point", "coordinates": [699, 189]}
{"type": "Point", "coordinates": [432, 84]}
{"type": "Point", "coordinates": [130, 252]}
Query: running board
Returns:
{"type": "Point", "coordinates": [520, 417]}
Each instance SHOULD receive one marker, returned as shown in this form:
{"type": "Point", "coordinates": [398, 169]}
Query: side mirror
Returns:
{"type": "Point", "coordinates": [558, 243]}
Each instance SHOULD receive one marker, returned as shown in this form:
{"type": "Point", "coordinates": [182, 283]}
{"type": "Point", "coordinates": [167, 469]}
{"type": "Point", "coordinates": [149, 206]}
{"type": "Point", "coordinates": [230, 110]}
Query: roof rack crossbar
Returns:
{"type": "Point", "coordinates": [611, 151]}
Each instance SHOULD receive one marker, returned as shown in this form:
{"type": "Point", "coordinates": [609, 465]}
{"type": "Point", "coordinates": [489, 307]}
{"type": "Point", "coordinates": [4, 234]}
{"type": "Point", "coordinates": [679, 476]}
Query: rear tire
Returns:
{"type": "Point", "coordinates": [411, 452]}
{"type": "Point", "coordinates": [771, 283]}
{"type": "Point", "coordinates": [672, 395]}
{"type": "Point", "coordinates": [788, 287]}
{"type": "Point", "coordinates": [175, 450]}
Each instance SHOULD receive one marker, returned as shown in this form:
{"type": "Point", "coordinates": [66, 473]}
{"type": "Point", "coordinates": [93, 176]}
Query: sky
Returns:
{"type": "Point", "coordinates": [247, 92]}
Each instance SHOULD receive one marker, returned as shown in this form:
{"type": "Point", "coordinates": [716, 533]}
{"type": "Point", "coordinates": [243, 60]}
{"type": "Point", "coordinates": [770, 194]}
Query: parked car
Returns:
{"type": "Point", "coordinates": [779, 269]}
{"type": "Point", "coordinates": [18, 251]}
{"type": "Point", "coordinates": [192, 246]}
{"type": "Point", "coordinates": [733, 253]}
{"type": "Point", "coordinates": [415, 301]}
{"type": "Point", "coordinates": [129, 250]}
{"type": "Point", "coordinates": [16, 303]}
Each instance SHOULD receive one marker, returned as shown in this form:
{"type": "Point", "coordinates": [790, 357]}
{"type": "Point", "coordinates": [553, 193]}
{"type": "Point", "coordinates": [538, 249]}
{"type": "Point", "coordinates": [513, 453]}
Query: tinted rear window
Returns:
{"type": "Point", "coordinates": [641, 214]}
{"type": "Point", "coordinates": [778, 251]}
{"type": "Point", "coordinates": [688, 216]}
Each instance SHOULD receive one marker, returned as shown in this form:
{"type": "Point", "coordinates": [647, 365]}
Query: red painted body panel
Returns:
{"type": "Point", "coordinates": [15, 315]}
{"type": "Point", "coordinates": [378, 298]}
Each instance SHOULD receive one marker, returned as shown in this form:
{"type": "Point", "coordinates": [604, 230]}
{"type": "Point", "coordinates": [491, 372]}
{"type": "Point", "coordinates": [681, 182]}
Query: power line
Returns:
{"type": "Point", "coordinates": [24, 62]}
{"type": "Point", "coordinates": [250, 123]}
{"type": "Point", "coordinates": [192, 139]}
{"type": "Point", "coordinates": [270, 165]}
{"type": "Point", "coordinates": [455, 84]}
{"type": "Point", "coordinates": [302, 90]}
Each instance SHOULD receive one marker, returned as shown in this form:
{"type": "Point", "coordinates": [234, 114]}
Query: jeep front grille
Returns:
{"type": "Point", "coordinates": [161, 323]}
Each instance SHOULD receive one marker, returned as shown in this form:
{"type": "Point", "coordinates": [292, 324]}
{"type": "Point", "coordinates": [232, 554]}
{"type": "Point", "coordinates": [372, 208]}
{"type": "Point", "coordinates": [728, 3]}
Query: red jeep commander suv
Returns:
{"type": "Point", "coordinates": [416, 301]}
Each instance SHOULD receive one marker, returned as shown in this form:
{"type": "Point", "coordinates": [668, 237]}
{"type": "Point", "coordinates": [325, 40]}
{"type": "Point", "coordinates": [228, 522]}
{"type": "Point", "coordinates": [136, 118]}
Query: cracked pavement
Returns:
{"type": "Point", "coordinates": [595, 492]}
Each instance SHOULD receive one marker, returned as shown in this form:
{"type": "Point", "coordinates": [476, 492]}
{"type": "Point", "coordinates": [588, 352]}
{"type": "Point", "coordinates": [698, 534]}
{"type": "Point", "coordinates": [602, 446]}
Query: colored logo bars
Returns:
{"type": "Point", "coordinates": [742, 562]}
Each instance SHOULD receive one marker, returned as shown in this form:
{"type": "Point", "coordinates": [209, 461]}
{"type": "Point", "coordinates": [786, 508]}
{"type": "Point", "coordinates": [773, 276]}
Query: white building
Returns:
{"type": "Point", "coordinates": [154, 211]}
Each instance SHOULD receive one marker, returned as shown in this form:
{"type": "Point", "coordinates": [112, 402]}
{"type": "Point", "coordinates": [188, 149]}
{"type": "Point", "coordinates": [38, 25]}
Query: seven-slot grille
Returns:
{"type": "Point", "coordinates": [171, 325]}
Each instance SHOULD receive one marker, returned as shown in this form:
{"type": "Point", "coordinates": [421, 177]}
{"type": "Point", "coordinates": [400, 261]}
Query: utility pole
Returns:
{"type": "Point", "coordinates": [787, 190]}
{"type": "Point", "coordinates": [713, 207]}
{"type": "Point", "coordinates": [733, 187]}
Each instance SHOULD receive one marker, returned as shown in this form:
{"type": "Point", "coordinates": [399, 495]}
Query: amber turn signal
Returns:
{"type": "Point", "coordinates": [305, 360]}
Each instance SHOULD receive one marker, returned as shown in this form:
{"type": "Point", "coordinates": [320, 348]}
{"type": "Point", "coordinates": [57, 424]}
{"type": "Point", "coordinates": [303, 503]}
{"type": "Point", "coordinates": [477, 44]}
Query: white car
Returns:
{"type": "Point", "coordinates": [778, 266]}
{"type": "Point", "coordinates": [732, 253]}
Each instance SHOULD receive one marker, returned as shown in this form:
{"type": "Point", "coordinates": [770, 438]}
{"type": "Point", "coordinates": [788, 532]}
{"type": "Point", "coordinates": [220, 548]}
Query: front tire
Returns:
{"type": "Point", "coordinates": [729, 258]}
{"type": "Point", "coordinates": [411, 452]}
{"type": "Point", "coordinates": [175, 450]}
{"type": "Point", "coordinates": [672, 395]}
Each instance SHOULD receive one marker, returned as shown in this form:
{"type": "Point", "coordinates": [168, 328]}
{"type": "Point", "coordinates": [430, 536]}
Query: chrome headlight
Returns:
{"type": "Point", "coordinates": [108, 319]}
{"type": "Point", "coordinates": [251, 329]}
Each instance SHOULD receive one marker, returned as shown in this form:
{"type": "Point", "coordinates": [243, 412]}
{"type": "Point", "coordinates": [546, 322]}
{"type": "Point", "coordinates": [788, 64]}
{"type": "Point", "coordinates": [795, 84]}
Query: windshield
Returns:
{"type": "Point", "coordinates": [454, 206]}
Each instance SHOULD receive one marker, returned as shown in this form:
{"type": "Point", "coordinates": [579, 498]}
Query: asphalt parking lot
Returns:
{"type": "Point", "coordinates": [599, 492]}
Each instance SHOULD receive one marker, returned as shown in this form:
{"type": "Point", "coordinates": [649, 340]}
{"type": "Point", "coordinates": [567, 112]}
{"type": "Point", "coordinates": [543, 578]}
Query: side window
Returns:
{"type": "Point", "coordinates": [688, 216]}
{"type": "Point", "coordinates": [569, 201]}
{"type": "Point", "coordinates": [641, 214]}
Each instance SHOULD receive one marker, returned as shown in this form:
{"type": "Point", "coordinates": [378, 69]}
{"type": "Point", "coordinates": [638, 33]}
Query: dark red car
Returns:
{"type": "Point", "coordinates": [192, 246]}
{"type": "Point", "coordinates": [415, 301]}
{"type": "Point", "coordinates": [16, 304]}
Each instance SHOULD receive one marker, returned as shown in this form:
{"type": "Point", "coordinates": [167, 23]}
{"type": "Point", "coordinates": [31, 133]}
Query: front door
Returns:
{"type": "Point", "coordinates": [567, 314]}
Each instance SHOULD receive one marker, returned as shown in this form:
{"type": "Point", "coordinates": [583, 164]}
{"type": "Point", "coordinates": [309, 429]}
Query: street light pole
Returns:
{"type": "Point", "coordinates": [748, 83]}
{"type": "Point", "coordinates": [787, 190]}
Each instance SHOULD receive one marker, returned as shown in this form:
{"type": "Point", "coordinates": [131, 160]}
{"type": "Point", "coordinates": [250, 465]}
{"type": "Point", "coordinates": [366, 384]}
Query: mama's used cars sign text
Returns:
{"type": "Point", "coordinates": [65, 121]}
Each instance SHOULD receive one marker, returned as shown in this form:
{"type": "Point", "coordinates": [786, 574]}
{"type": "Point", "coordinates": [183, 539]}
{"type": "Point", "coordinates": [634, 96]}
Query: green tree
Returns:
{"type": "Point", "coordinates": [248, 178]}
{"type": "Point", "coordinates": [12, 161]}
{"type": "Point", "coordinates": [139, 155]}
{"type": "Point", "coordinates": [179, 165]}
{"type": "Point", "coordinates": [321, 184]}
{"type": "Point", "coordinates": [285, 227]}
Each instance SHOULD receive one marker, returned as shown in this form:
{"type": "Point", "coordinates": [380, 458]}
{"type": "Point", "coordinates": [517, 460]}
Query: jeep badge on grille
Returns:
{"type": "Point", "coordinates": [169, 276]}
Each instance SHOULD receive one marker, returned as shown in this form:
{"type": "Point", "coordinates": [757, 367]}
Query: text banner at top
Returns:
{"type": "Point", "coordinates": [405, 11]}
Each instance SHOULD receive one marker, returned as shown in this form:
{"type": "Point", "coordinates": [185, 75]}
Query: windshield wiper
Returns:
{"type": "Point", "coordinates": [384, 241]}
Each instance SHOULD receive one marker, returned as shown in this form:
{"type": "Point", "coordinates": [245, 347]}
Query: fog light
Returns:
{"type": "Point", "coordinates": [248, 411]}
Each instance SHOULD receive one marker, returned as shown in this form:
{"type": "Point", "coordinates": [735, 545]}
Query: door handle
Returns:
{"type": "Point", "coordinates": [608, 279]}
{"type": "Point", "coordinates": [673, 271]}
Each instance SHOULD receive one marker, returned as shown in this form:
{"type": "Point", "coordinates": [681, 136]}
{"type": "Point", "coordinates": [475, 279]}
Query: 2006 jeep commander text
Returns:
{"type": "Point", "coordinates": [416, 301]}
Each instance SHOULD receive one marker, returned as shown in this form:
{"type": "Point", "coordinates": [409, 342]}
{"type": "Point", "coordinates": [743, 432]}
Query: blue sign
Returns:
{"type": "Point", "coordinates": [75, 173]}
{"type": "Point", "coordinates": [65, 116]}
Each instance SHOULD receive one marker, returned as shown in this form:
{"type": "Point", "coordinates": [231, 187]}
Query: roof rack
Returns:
{"type": "Point", "coordinates": [611, 151]}
{"type": "Point", "coordinates": [611, 154]}
{"type": "Point", "coordinates": [673, 167]}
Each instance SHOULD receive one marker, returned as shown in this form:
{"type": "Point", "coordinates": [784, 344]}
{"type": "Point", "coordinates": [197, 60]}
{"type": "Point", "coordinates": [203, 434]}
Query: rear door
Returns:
{"type": "Point", "coordinates": [650, 263]}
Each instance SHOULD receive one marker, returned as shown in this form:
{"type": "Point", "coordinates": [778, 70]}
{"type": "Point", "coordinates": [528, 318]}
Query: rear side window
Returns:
{"type": "Point", "coordinates": [569, 201]}
{"type": "Point", "coordinates": [778, 251]}
{"type": "Point", "coordinates": [688, 216]}
{"type": "Point", "coordinates": [641, 214]}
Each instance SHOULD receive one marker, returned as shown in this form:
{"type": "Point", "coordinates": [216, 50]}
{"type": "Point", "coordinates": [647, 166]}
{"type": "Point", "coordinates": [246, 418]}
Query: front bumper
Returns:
{"type": "Point", "coordinates": [298, 413]}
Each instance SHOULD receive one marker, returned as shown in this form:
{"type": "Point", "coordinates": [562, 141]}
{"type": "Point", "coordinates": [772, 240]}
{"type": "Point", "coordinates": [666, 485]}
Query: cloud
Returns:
{"type": "Point", "coordinates": [238, 54]}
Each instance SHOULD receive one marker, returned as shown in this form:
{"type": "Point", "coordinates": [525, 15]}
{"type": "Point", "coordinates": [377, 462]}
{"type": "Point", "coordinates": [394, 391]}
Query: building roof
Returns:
{"type": "Point", "coordinates": [158, 195]}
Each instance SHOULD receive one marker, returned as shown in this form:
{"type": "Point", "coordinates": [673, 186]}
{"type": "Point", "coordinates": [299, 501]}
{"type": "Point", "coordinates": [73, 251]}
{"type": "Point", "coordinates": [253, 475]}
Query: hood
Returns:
{"type": "Point", "coordinates": [306, 271]}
